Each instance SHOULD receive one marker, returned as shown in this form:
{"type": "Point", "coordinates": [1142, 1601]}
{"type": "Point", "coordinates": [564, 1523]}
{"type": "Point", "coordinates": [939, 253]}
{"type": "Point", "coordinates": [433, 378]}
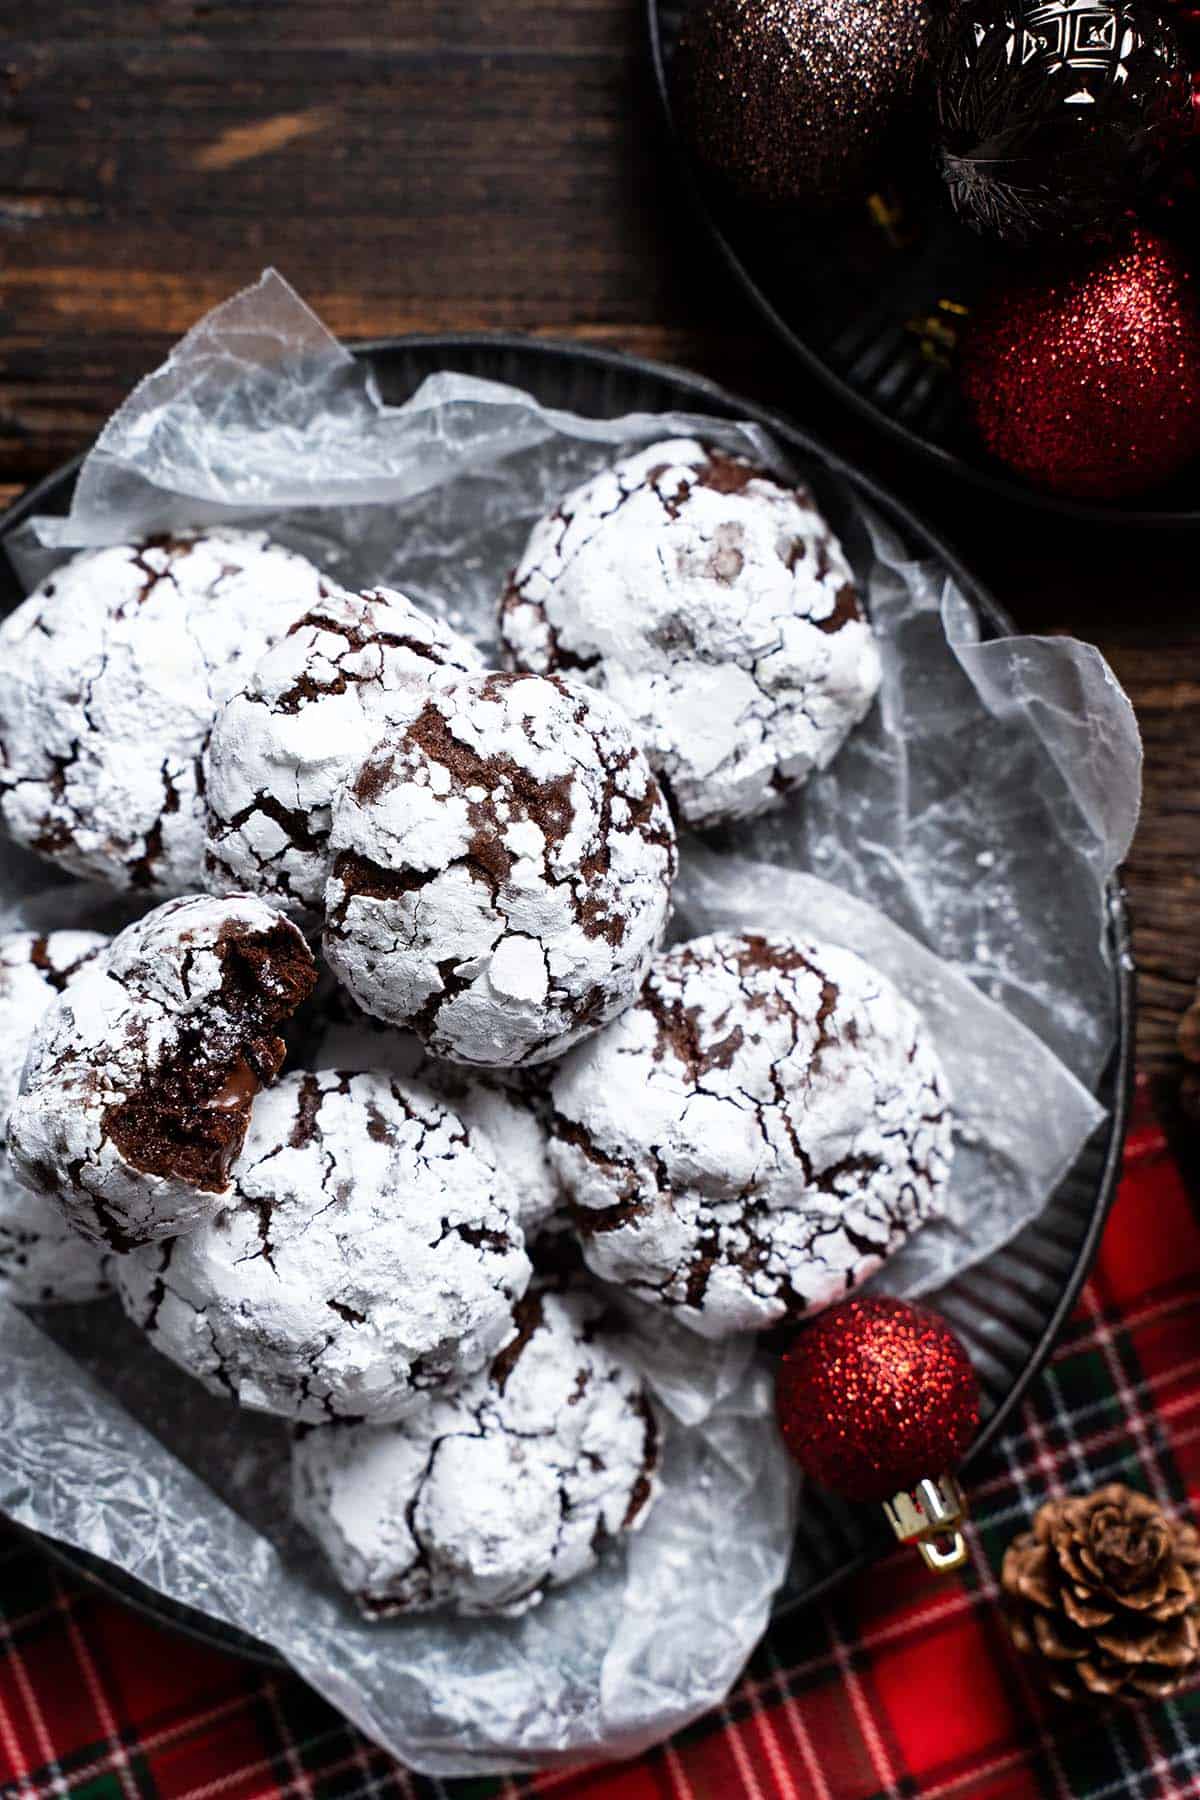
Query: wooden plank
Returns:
{"type": "Point", "coordinates": [1162, 678]}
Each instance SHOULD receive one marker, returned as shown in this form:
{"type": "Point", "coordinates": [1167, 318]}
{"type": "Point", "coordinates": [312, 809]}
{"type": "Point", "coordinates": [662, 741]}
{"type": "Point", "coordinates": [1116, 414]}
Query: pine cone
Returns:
{"type": "Point", "coordinates": [1105, 1593]}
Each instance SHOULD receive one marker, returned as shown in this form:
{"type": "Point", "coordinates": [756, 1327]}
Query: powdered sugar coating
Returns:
{"type": "Point", "coordinates": [502, 871]}
{"type": "Point", "coordinates": [508, 1106]}
{"type": "Point", "coordinates": [141, 1074]}
{"type": "Point", "coordinates": [282, 748]}
{"type": "Point", "coordinates": [482, 1502]}
{"type": "Point", "coordinates": [41, 1259]}
{"type": "Point", "coordinates": [757, 1135]}
{"type": "Point", "coordinates": [716, 607]}
{"type": "Point", "coordinates": [369, 1257]}
{"type": "Point", "coordinates": [111, 674]}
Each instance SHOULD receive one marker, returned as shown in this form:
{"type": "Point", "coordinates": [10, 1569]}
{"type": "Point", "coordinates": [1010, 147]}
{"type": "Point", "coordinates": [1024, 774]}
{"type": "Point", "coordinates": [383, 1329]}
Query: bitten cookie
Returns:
{"type": "Point", "coordinates": [368, 1257]}
{"type": "Point", "coordinates": [502, 871]}
{"type": "Point", "coordinates": [41, 1259]}
{"type": "Point", "coordinates": [314, 706]}
{"type": "Point", "coordinates": [716, 607]}
{"type": "Point", "coordinates": [482, 1502]}
{"type": "Point", "coordinates": [509, 1106]}
{"type": "Point", "coordinates": [756, 1136]}
{"type": "Point", "coordinates": [111, 674]}
{"type": "Point", "coordinates": [142, 1073]}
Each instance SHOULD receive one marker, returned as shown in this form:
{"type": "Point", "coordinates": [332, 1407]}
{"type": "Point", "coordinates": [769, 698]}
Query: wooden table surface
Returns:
{"type": "Point", "coordinates": [474, 164]}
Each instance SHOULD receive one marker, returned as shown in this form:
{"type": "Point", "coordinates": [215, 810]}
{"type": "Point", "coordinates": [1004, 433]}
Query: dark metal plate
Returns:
{"type": "Point", "coordinates": [1010, 1309]}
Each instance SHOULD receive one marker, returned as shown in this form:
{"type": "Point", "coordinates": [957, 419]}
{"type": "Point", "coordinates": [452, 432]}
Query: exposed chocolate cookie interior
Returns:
{"type": "Point", "coordinates": [142, 1074]}
{"type": "Point", "coordinates": [188, 1117]}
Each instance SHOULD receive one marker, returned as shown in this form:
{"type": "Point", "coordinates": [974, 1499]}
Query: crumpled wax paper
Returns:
{"type": "Point", "coordinates": [962, 841]}
{"type": "Point", "coordinates": [596, 1669]}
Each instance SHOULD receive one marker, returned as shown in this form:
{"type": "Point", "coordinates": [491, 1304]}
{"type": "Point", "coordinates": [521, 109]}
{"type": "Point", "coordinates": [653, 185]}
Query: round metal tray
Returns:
{"type": "Point", "coordinates": [1010, 1309]}
{"type": "Point", "coordinates": [846, 294]}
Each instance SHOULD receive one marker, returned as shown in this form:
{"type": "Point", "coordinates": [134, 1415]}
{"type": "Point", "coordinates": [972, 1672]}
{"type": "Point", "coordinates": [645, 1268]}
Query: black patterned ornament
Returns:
{"type": "Point", "coordinates": [1055, 114]}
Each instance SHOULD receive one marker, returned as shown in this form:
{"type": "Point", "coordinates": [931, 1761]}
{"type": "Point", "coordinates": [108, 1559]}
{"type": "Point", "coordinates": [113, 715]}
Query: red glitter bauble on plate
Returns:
{"type": "Point", "coordinates": [1085, 379]}
{"type": "Point", "coordinates": [875, 1397]}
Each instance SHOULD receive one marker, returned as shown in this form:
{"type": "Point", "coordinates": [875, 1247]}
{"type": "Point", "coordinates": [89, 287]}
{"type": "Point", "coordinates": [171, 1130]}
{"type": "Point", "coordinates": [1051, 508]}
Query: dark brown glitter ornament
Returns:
{"type": "Point", "coordinates": [789, 99]}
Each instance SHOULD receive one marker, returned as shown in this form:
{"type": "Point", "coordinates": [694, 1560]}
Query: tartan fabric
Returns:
{"type": "Point", "coordinates": [903, 1685]}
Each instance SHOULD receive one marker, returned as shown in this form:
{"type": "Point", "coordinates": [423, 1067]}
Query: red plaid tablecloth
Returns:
{"type": "Point", "coordinates": [902, 1686]}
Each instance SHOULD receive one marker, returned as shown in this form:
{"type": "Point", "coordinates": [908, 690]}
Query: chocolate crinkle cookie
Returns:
{"type": "Point", "coordinates": [111, 674]}
{"type": "Point", "coordinates": [368, 1257]}
{"type": "Point", "coordinates": [142, 1073]}
{"type": "Point", "coordinates": [281, 749]}
{"type": "Point", "coordinates": [483, 1501]}
{"type": "Point", "coordinates": [715, 605]}
{"type": "Point", "coordinates": [756, 1136]}
{"type": "Point", "coordinates": [502, 870]}
{"type": "Point", "coordinates": [42, 1261]}
{"type": "Point", "coordinates": [509, 1106]}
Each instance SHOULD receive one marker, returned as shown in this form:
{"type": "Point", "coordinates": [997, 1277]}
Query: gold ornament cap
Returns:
{"type": "Point", "coordinates": [931, 1516]}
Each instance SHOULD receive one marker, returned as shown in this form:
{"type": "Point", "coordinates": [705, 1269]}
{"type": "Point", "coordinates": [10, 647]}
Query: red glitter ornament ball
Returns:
{"type": "Point", "coordinates": [876, 1395]}
{"type": "Point", "coordinates": [1086, 380]}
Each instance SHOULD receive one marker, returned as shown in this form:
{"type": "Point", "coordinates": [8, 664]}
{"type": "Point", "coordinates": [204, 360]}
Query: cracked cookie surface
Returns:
{"type": "Point", "coordinates": [368, 1257]}
{"type": "Point", "coordinates": [281, 749]}
{"type": "Point", "coordinates": [757, 1135]}
{"type": "Point", "coordinates": [42, 1261]}
{"type": "Point", "coordinates": [142, 1073]}
{"type": "Point", "coordinates": [483, 1501]}
{"type": "Point", "coordinates": [110, 677]}
{"type": "Point", "coordinates": [502, 871]}
{"type": "Point", "coordinates": [111, 674]}
{"type": "Point", "coordinates": [716, 607]}
{"type": "Point", "coordinates": [509, 1106]}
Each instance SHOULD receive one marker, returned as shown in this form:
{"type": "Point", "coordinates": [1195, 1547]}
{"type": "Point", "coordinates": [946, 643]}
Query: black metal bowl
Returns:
{"type": "Point", "coordinates": [1010, 1309]}
{"type": "Point", "coordinates": [848, 294]}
